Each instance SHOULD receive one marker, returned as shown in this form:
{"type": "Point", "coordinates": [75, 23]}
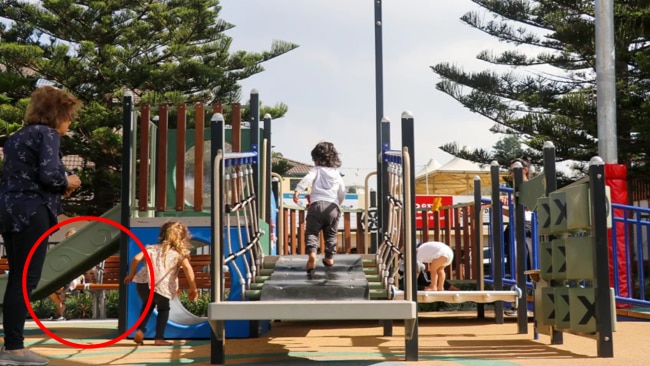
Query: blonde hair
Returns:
{"type": "Point", "coordinates": [50, 106]}
{"type": "Point", "coordinates": [174, 235]}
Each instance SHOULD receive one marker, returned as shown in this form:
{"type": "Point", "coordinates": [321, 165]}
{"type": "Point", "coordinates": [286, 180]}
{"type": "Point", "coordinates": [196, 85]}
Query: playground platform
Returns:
{"type": "Point", "coordinates": [450, 338]}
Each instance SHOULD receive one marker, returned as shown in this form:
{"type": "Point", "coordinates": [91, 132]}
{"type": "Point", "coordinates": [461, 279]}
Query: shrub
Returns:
{"type": "Point", "coordinates": [199, 307]}
{"type": "Point", "coordinates": [79, 306]}
{"type": "Point", "coordinates": [42, 308]}
{"type": "Point", "coordinates": [112, 303]}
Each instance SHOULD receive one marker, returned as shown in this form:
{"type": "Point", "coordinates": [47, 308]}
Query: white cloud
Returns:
{"type": "Point", "coordinates": [329, 81]}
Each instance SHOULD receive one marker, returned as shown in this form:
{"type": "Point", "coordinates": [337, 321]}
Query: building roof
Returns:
{"type": "Point", "coordinates": [298, 169]}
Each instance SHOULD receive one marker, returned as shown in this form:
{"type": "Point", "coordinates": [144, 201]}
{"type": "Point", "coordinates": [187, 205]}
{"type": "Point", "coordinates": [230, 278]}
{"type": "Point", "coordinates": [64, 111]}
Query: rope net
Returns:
{"type": "Point", "coordinates": [243, 253]}
{"type": "Point", "coordinates": [391, 249]}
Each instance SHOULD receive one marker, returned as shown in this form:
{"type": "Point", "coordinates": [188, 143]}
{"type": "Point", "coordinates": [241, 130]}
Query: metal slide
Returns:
{"type": "Point", "coordinates": [89, 246]}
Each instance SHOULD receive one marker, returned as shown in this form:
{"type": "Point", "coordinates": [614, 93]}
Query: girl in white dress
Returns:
{"type": "Point", "coordinates": [439, 255]}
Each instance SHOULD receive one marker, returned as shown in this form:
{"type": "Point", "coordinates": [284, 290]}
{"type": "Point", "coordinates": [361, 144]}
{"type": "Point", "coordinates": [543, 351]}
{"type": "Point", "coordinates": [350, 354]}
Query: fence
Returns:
{"type": "Point", "coordinates": [457, 230]}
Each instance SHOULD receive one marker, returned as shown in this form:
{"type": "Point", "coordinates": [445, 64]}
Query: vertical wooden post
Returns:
{"type": "Point", "coordinates": [361, 235]}
{"type": "Point", "coordinates": [181, 130]}
{"type": "Point", "coordinates": [161, 168]}
{"type": "Point", "coordinates": [143, 177]}
{"type": "Point", "coordinates": [199, 134]}
{"type": "Point", "coordinates": [236, 127]}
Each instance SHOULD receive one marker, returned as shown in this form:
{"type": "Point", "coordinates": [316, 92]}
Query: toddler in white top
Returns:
{"type": "Point", "coordinates": [439, 255]}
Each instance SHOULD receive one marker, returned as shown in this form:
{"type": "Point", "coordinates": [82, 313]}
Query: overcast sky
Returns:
{"type": "Point", "coordinates": [329, 81]}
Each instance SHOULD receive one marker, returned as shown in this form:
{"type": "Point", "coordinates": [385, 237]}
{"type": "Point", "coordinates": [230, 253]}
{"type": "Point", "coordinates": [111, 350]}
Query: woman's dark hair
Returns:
{"type": "Point", "coordinates": [325, 154]}
{"type": "Point", "coordinates": [50, 106]}
{"type": "Point", "coordinates": [523, 161]}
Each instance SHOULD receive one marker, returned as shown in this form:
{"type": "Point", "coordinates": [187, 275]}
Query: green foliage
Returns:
{"type": "Point", "coordinates": [176, 51]}
{"type": "Point", "coordinates": [43, 308]}
{"type": "Point", "coordinates": [281, 166]}
{"type": "Point", "coordinates": [198, 307]}
{"type": "Point", "coordinates": [112, 304]}
{"type": "Point", "coordinates": [79, 306]}
{"type": "Point", "coordinates": [278, 164]}
{"type": "Point", "coordinates": [558, 103]}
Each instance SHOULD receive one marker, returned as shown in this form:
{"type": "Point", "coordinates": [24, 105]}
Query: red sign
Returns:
{"type": "Point", "coordinates": [430, 203]}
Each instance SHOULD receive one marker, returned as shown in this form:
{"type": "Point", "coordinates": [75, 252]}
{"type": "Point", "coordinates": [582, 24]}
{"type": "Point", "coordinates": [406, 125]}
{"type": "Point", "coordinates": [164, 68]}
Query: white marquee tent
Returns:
{"type": "Point", "coordinates": [455, 178]}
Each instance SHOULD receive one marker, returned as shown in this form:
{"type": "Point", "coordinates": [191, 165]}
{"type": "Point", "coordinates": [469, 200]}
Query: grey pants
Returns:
{"type": "Point", "coordinates": [322, 216]}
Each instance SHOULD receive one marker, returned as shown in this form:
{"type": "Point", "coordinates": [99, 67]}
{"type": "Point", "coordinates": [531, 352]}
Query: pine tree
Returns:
{"type": "Point", "coordinates": [100, 49]}
{"type": "Point", "coordinates": [554, 98]}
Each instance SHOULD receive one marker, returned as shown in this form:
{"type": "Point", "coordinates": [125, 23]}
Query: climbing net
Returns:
{"type": "Point", "coordinates": [243, 253]}
{"type": "Point", "coordinates": [390, 252]}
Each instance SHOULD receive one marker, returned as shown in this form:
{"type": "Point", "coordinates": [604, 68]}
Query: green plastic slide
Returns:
{"type": "Point", "coordinates": [75, 255]}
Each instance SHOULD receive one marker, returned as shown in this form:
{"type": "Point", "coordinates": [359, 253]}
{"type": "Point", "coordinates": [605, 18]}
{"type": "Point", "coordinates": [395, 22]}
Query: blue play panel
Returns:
{"type": "Point", "coordinates": [182, 324]}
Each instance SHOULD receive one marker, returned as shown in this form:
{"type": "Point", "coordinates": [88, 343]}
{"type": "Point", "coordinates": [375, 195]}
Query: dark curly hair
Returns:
{"type": "Point", "coordinates": [525, 162]}
{"type": "Point", "coordinates": [325, 154]}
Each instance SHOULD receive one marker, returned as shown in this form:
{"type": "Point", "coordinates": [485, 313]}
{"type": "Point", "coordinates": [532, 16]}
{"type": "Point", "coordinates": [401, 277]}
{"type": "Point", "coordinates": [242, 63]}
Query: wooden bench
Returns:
{"type": "Point", "coordinates": [200, 264]}
{"type": "Point", "coordinates": [4, 265]}
{"type": "Point", "coordinates": [110, 277]}
{"type": "Point", "coordinates": [105, 276]}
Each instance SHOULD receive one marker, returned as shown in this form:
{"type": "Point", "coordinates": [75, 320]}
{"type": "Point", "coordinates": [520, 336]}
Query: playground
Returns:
{"type": "Point", "coordinates": [264, 308]}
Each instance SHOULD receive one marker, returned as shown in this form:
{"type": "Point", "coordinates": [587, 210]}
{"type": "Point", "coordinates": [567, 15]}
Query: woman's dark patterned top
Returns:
{"type": "Point", "coordinates": [33, 175]}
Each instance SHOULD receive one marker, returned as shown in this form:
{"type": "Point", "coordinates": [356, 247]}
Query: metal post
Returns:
{"type": "Point", "coordinates": [408, 141]}
{"type": "Point", "coordinates": [382, 205]}
{"type": "Point", "coordinates": [520, 249]}
{"type": "Point", "coordinates": [218, 334]}
{"type": "Point", "coordinates": [478, 244]}
{"type": "Point", "coordinates": [550, 176]}
{"type": "Point", "coordinates": [268, 162]}
{"type": "Point", "coordinates": [125, 215]}
{"type": "Point", "coordinates": [497, 244]}
{"type": "Point", "coordinates": [603, 301]}
{"type": "Point", "coordinates": [379, 114]}
{"type": "Point", "coordinates": [382, 182]}
{"type": "Point", "coordinates": [255, 141]}
{"type": "Point", "coordinates": [261, 198]}
{"type": "Point", "coordinates": [606, 81]}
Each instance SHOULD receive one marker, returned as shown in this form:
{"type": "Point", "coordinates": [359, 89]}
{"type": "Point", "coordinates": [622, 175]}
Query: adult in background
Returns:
{"type": "Point", "coordinates": [528, 172]}
{"type": "Point", "coordinates": [33, 182]}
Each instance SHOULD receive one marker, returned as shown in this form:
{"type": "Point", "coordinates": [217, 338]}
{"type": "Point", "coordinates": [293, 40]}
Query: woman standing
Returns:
{"type": "Point", "coordinates": [32, 184]}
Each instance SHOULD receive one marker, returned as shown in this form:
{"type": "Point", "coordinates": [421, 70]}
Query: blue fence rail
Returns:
{"type": "Point", "coordinates": [635, 224]}
{"type": "Point", "coordinates": [506, 238]}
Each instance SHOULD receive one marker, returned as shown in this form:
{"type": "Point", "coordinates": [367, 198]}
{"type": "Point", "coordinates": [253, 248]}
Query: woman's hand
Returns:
{"type": "Point", "coordinates": [128, 279]}
{"type": "Point", "coordinates": [73, 183]}
{"type": "Point", "coordinates": [193, 295]}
